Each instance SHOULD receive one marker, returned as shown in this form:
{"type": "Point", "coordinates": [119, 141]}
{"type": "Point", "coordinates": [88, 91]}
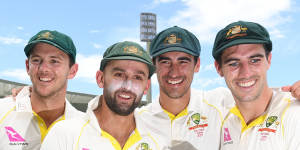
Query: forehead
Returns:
{"type": "Point", "coordinates": [128, 66]}
{"type": "Point", "coordinates": [44, 49]}
{"type": "Point", "coordinates": [175, 54]}
{"type": "Point", "coordinates": [245, 50]}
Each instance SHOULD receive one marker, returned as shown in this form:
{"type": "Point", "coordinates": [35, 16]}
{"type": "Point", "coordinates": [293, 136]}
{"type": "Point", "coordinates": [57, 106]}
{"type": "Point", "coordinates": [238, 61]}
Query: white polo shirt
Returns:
{"type": "Point", "coordinates": [21, 127]}
{"type": "Point", "coordinates": [86, 134]}
{"type": "Point", "coordinates": [277, 129]}
{"type": "Point", "coordinates": [197, 127]}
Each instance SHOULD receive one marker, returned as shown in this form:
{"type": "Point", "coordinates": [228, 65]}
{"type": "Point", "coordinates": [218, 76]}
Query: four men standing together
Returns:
{"type": "Point", "coordinates": [251, 116]}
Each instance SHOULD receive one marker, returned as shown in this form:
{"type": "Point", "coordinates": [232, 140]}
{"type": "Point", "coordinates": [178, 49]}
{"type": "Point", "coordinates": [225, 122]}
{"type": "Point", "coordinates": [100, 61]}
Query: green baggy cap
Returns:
{"type": "Point", "coordinates": [127, 51]}
{"type": "Point", "coordinates": [241, 32]}
{"type": "Point", "coordinates": [54, 38]}
{"type": "Point", "coordinates": [175, 39]}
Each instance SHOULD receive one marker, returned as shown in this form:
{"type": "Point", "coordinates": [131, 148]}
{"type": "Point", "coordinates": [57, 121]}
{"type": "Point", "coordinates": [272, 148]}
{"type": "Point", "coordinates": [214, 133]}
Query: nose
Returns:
{"type": "Point", "coordinates": [245, 70]}
{"type": "Point", "coordinates": [44, 67]}
{"type": "Point", "coordinates": [174, 70]}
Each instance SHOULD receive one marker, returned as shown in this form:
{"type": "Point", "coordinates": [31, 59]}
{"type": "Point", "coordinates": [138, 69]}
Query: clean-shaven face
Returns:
{"type": "Point", "coordinates": [244, 68]}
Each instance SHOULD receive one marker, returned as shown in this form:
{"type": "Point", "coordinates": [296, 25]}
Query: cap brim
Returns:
{"type": "Point", "coordinates": [150, 66]}
{"type": "Point", "coordinates": [176, 49]}
{"type": "Point", "coordinates": [236, 42]}
{"type": "Point", "coordinates": [30, 45]}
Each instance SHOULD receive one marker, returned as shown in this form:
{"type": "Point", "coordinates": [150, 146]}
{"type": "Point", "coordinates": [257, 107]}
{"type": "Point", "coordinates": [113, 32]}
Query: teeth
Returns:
{"type": "Point", "coordinates": [124, 96]}
{"type": "Point", "coordinates": [45, 79]}
{"type": "Point", "coordinates": [174, 81]}
{"type": "Point", "coordinates": [246, 84]}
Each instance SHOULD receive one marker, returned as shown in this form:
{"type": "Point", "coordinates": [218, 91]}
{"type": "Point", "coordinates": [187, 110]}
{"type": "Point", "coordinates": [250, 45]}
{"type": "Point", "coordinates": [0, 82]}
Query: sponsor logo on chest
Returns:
{"type": "Point", "coordinates": [198, 124]}
{"type": "Point", "coordinates": [14, 137]}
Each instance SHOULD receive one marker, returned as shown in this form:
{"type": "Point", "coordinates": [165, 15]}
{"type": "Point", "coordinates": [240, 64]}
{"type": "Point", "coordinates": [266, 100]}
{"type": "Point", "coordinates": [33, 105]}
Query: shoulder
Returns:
{"type": "Point", "coordinates": [6, 104]}
{"type": "Point", "coordinates": [147, 109]}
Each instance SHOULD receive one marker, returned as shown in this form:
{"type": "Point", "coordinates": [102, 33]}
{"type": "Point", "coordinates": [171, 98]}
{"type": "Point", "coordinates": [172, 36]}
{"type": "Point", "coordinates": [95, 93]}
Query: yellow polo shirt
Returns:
{"type": "Point", "coordinates": [196, 127]}
{"type": "Point", "coordinates": [85, 134]}
{"type": "Point", "coordinates": [277, 129]}
{"type": "Point", "coordinates": [21, 127]}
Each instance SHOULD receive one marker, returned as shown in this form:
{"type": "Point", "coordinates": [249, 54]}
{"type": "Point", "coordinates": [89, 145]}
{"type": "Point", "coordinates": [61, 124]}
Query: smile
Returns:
{"type": "Point", "coordinates": [45, 79]}
{"type": "Point", "coordinates": [175, 81]}
{"type": "Point", "coordinates": [246, 84]}
{"type": "Point", "coordinates": [124, 96]}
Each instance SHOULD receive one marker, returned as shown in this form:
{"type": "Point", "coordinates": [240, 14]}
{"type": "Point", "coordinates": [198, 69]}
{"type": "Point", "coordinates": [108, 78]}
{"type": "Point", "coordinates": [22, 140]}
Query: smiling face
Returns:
{"type": "Point", "coordinates": [124, 82]}
{"type": "Point", "coordinates": [49, 70]}
{"type": "Point", "coordinates": [244, 68]}
{"type": "Point", "coordinates": [175, 72]}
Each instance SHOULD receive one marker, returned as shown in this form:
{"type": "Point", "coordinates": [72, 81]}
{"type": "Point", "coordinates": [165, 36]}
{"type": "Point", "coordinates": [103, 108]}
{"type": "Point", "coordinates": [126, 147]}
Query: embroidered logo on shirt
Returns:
{"type": "Point", "coordinates": [143, 146]}
{"type": "Point", "coordinates": [270, 128]}
{"type": "Point", "coordinates": [14, 137]}
{"type": "Point", "coordinates": [197, 123]}
{"type": "Point", "coordinates": [227, 137]}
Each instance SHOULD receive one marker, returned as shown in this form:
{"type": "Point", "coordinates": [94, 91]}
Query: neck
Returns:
{"type": "Point", "coordinates": [48, 108]}
{"type": "Point", "coordinates": [253, 109]}
{"type": "Point", "coordinates": [120, 127]}
{"type": "Point", "coordinates": [174, 105]}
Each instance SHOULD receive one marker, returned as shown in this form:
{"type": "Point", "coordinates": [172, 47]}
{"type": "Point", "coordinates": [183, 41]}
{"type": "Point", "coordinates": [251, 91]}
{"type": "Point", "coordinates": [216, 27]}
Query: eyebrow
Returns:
{"type": "Point", "coordinates": [235, 59]}
{"type": "Point", "coordinates": [180, 58]}
{"type": "Point", "coordinates": [122, 70]}
{"type": "Point", "coordinates": [160, 58]}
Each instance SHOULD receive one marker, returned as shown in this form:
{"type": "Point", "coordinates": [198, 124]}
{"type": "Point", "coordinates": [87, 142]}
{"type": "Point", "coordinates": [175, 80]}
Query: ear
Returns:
{"type": "Point", "coordinates": [197, 66]}
{"type": "Point", "coordinates": [269, 60]}
{"type": "Point", "coordinates": [73, 71]}
{"type": "Point", "coordinates": [148, 86]}
{"type": "Point", "coordinates": [99, 78]}
{"type": "Point", "coordinates": [218, 68]}
{"type": "Point", "coordinates": [27, 66]}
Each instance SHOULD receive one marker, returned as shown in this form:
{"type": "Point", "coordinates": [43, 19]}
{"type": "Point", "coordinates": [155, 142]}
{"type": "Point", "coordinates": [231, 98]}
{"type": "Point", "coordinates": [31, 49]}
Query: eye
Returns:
{"type": "Point", "coordinates": [164, 62]}
{"type": "Point", "coordinates": [35, 60]}
{"type": "Point", "coordinates": [233, 64]}
{"type": "Point", "coordinates": [253, 61]}
{"type": "Point", "coordinates": [138, 77]}
{"type": "Point", "coordinates": [118, 74]}
{"type": "Point", "coordinates": [54, 61]}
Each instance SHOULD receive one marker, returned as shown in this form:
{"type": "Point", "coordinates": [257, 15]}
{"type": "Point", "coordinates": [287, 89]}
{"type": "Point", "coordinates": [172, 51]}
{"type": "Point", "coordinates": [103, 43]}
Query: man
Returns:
{"type": "Point", "coordinates": [109, 123]}
{"type": "Point", "coordinates": [262, 118]}
{"type": "Point", "coordinates": [185, 119]}
{"type": "Point", "coordinates": [25, 122]}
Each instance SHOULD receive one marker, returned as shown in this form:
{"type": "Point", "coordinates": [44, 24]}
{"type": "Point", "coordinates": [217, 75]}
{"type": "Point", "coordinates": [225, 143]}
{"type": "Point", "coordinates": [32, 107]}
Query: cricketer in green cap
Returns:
{"type": "Point", "coordinates": [54, 38]}
{"type": "Point", "coordinates": [127, 51]}
{"type": "Point", "coordinates": [241, 32]}
{"type": "Point", "coordinates": [175, 39]}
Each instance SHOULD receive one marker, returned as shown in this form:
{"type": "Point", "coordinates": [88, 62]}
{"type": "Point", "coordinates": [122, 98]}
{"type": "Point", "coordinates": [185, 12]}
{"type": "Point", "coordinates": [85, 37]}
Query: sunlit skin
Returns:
{"type": "Point", "coordinates": [175, 72]}
{"type": "Point", "coordinates": [123, 82]}
{"type": "Point", "coordinates": [49, 70]}
{"type": "Point", "coordinates": [244, 68]}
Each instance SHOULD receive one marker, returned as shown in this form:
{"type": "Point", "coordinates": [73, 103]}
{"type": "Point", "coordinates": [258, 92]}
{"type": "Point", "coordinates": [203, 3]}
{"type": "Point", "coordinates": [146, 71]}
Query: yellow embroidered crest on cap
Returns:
{"type": "Point", "coordinates": [143, 146]}
{"type": "Point", "coordinates": [45, 35]}
{"type": "Point", "coordinates": [133, 49]}
{"type": "Point", "coordinates": [172, 39]}
{"type": "Point", "coordinates": [236, 31]}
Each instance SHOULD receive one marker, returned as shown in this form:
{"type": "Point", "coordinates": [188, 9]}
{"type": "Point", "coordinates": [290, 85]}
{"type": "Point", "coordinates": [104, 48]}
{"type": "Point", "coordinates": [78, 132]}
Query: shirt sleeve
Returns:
{"type": "Point", "coordinates": [291, 127]}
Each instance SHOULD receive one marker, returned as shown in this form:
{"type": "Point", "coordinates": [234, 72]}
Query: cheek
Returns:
{"type": "Point", "coordinates": [114, 86]}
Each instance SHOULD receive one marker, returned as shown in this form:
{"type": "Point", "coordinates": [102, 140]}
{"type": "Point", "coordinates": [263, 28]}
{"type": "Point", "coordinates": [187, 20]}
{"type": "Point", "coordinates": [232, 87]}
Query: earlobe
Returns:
{"type": "Point", "coordinates": [27, 65]}
{"type": "Point", "coordinates": [99, 78]}
{"type": "Point", "coordinates": [73, 71]}
{"type": "Point", "coordinates": [218, 69]}
{"type": "Point", "coordinates": [197, 66]}
{"type": "Point", "coordinates": [147, 87]}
